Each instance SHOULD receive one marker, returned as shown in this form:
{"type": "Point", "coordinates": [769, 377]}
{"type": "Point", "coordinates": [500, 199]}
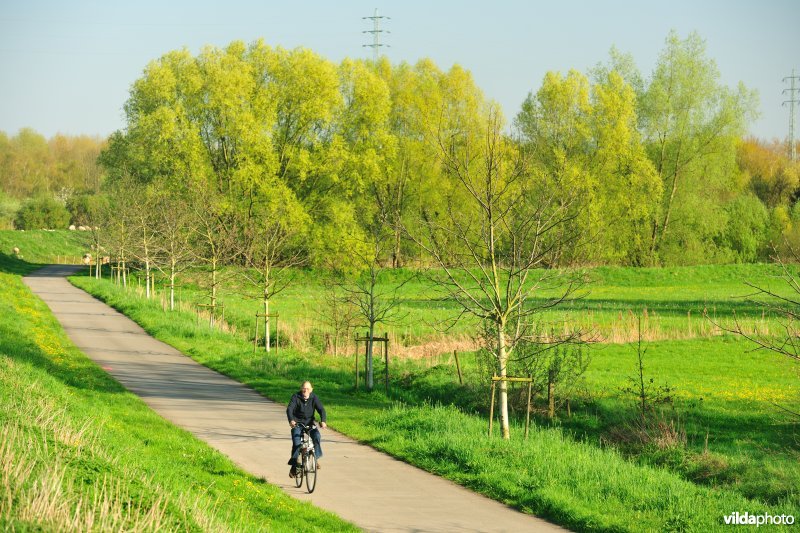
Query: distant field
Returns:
{"type": "Point", "coordinates": [673, 304]}
{"type": "Point", "coordinates": [43, 246]}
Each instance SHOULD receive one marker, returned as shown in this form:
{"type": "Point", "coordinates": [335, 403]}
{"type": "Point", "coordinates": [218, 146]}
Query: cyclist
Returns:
{"type": "Point", "coordinates": [301, 409]}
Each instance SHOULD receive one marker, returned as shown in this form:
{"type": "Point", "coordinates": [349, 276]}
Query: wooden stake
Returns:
{"type": "Point", "coordinates": [386, 359]}
{"type": "Point", "coordinates": [491, 410]}
{"type": "Point", "coordinates": [528, 410]}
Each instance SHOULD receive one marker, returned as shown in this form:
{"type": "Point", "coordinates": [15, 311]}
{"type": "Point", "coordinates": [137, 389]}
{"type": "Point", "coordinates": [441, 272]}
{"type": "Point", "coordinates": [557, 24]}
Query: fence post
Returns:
{"type": "Point", "coordinates": [491, 408]}
{"type": "Point", "coordinates": [528, 409]}
{"type": "Point", "coordinates": [458, 367]}
{"type": "Point", "coordinates": [356, 358]}
{"type": "Point", "coordinates": [255, 337]}
{"type": "Point", "coordinates": [386, 356]}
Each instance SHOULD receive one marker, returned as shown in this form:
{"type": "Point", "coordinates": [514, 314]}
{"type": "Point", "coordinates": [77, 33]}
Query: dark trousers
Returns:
{"type": "Point", "coordinates": [297, 439]}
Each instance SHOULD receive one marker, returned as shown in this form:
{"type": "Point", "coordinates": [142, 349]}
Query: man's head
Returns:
{"type": "Point", "coordinates": [305, 389]}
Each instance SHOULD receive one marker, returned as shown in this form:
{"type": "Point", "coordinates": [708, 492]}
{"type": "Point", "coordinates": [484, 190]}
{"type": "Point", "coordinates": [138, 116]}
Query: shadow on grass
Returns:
{"type": "Point", "coordinates": [73, 370]}
{"type": "Point", "coordinates": [9, 264]}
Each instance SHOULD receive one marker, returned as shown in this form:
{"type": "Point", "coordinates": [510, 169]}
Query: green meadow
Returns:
{"type": "Point", "coordinates": [722, 443]}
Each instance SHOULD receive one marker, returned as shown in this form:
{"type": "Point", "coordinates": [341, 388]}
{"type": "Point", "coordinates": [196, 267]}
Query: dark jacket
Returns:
{"type": "Point", "coordinates": [303, 410]}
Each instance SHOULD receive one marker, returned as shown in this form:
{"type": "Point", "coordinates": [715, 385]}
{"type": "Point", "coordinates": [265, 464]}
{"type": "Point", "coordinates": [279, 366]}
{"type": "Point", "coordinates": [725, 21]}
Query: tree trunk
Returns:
{"type": "Point", "coordinates": [502, 359]}
{"type": "Point", "coordinates": [267, 339]}
{"type": "Point", "coordinates": [370, 381]}
{"type": "Point", "coordinates": [147, 278]}
{"type": "Point", "coordinates": [172, 286]}
{"type": "Point", "coordinates": [213, 292]}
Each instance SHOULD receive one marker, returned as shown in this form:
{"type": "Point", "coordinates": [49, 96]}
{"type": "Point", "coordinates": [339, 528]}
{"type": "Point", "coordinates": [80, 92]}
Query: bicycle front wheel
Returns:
{"type": "Point", "coordinates": [310, 471]}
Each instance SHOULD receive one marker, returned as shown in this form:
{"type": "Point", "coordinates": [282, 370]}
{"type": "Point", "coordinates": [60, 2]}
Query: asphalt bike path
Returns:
{"type": "Point", "coordinates": [366, 487]}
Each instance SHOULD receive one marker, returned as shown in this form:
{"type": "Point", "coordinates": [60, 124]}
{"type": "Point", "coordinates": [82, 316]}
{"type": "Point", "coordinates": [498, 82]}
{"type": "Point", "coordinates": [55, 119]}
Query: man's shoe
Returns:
{"type": "Point", "coordinates": [292, 472]}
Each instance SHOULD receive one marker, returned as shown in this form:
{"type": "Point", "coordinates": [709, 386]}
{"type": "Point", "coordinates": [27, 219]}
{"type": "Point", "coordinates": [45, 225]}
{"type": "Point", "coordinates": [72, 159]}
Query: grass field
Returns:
{"type": "Point", "coordinates": [722, 444]}
{"type": "Point", "coordinates": [729, 447]}
{"type": "Point", "coordinates": [45, 246]}
{"type": "Point", "coordinates": [79, 453]}
{"type": "Point", "coordinates": [674, 303]}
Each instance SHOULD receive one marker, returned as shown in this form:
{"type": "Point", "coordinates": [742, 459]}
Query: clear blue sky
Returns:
{"type": "Point", "coordinates": [67, 66]}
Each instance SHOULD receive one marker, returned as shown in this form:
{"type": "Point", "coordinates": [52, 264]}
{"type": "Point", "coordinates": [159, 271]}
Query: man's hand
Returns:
{"type": "Point", "coordinates": [323, 425]}
{"type": "Point", "coordinates": [293, 423]}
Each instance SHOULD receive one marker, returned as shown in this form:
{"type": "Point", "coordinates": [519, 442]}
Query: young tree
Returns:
{"type": "Point", "coordinates": [174, 222]}
{"type": "Point", "coordinates": [273, 248]}
{"type": "Point", "coordinates": [499, 227]}
{"type": "Point", "coordinates": [216, 243]}
{"type": "Point", "coordinates": [375, 301]}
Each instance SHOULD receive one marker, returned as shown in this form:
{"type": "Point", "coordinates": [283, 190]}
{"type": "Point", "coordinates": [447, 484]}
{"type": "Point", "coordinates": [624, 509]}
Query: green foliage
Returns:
{"type": "Point", "coordinates": [8, 211]}
{"type": "Point", "coordinates": [746, 229]}
{"type": "Point", "coordinates": [31, 165]}
{"type": "Point", "coordinates": [43, 212]}
{"type": "Point", "coordinates": [649, 167]}
{"type": "Point", "coordinates": [86, 209]}
{"type": "Point", "coordinates": [583, 139]}
{"type": "Point", "coordinates": [691, 125]}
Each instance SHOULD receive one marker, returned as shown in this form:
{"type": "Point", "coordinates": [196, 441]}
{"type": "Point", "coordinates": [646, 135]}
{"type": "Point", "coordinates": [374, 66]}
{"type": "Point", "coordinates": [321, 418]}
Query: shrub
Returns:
{"type": "Point", "coordinates": [8, 209]}
{"type": "Point", "coordinates": [42, 213]}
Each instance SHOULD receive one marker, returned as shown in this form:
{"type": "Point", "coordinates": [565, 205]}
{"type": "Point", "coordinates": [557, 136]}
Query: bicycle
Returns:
{"type": "Point", "coordinates": [308, 468]}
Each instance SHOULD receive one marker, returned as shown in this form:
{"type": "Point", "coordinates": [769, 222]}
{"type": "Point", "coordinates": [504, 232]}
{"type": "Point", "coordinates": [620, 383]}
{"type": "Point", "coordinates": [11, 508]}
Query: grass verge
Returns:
{"type": "Point", "coordinates": [80, 453]}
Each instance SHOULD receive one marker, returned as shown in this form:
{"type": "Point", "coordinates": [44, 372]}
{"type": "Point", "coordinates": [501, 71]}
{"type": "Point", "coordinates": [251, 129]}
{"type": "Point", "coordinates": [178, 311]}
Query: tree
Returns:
{"type": "Point", "coordinates": [691, 125]}
{"type": "Point", "coordinates": [215, 243]}
{"type": "Point", "coordinates": [272, 237]}
{"type": "Point", "coordinates": [582, 137]}
{"type": "Point", "coordinates": [769, 172]}
{"type": "Point", "coordinates": [174, 223]}
{"type": "Point", "coordinates": [25, 164]}
{"type": "Point", "coordinates": [375, 302]}
{"type": "Point", "coordinates": [499, 227]}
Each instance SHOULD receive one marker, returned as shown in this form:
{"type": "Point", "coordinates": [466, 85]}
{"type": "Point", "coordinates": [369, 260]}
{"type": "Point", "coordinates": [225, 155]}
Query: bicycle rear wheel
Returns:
{"type": "Point", "coordinates": [310, 471]}
{"type": "Point", "coordinates": [298, 478]}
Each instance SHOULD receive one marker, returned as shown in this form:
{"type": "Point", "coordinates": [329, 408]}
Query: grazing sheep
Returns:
{"type": "Point", "coordinates": [87, 259]}
{"type": "Point", "coordinates": [16, 251]}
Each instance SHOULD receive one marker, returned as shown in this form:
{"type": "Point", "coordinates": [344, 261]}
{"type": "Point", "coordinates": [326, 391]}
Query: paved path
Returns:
{"type": "Point", "coordinates": [369, 488]}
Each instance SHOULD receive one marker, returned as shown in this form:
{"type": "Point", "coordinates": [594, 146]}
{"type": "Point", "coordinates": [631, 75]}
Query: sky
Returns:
{"type": "Point", "coordinates": [67, 66]}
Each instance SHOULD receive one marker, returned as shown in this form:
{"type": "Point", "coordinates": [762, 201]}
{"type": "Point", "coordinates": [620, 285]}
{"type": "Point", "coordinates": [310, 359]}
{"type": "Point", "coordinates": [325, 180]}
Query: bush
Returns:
{"type": "Point", "coordinates": [42, 213]}
{"type": "Point", "coordinates": [8, 210]}
{"type": "Point", "coordinates": [84, 209]}
{"type": "Point", "coordinates": [746, 230]}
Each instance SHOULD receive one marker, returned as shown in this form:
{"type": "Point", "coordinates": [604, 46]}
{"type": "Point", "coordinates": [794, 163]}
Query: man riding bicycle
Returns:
{"type": "Point", "coordinates": [301, 410]}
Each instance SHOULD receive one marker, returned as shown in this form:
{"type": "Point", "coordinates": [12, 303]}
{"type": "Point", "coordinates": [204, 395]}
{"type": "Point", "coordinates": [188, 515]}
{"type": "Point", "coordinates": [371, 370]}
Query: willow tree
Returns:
{"type": "Point", "coordinates": [582, 137]}
{"type": "Point", "coordinates": [691, 125]}
{"type": "Point", "coordinates": [498, 226]}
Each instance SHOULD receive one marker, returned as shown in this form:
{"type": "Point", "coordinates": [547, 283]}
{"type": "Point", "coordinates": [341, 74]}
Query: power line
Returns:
{"type": "Point", "coordinates": [792, 101]}
{"type": "Point", "coordinates": [376, 32]}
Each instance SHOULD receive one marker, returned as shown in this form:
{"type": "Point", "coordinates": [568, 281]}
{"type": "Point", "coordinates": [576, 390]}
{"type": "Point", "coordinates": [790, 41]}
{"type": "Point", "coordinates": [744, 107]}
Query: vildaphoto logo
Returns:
{"type": "Point", "coordinates": [747, 519]}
